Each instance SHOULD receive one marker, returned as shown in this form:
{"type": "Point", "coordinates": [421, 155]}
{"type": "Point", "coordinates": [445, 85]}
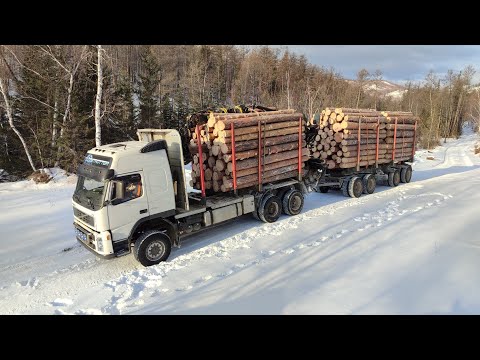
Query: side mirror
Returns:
{"type": "Point", "coordinates": [119, 191]}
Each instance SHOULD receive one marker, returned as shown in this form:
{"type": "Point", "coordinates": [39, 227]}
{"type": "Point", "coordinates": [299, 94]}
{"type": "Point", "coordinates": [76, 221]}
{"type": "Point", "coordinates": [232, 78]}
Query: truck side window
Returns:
{"type": "Point", "coordinates": [133, 187]}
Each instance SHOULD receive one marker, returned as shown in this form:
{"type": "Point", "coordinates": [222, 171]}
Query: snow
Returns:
{"type": "Point", "coordinates": [397, 94]}
{"type": "Point", "coordinates": [413, 249]}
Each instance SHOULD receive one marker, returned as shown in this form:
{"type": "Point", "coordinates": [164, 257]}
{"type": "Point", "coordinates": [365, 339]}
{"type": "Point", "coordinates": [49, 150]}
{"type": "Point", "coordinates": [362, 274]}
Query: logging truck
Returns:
{"type": "Point", "coordinates": [133, 196]}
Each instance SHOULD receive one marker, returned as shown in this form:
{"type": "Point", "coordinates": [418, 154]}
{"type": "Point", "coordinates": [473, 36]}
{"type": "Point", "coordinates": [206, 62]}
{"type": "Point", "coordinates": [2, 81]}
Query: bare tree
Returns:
{"type": "Point", "coordinates": [98, 98]}
{"type": "Point", "coordinates": [70, 66]}
{"type": "Point", "coordinates": [362, 76]}
{"type": "Point", "coordinates": [4, 89]}
{"type": "Point", "coordinates": [377, 76]}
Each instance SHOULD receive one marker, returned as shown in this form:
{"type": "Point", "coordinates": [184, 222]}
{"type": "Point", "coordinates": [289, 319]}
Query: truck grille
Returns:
{"type": "Point", "coordinates": [82, 216]}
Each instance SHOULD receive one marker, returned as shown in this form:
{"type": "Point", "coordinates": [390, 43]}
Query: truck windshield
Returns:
{"type": "Point", "coordinates": [89, 193]}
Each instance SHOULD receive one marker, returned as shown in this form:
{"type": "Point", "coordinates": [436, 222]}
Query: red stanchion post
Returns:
{"type": "Point", "coordinates": [234, 160]}
{"type": "Point", "coordinates": [200, 162]}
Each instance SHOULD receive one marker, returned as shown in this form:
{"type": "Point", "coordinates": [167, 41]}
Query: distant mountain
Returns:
{"type": "Point", "coordinates": [385, 88]}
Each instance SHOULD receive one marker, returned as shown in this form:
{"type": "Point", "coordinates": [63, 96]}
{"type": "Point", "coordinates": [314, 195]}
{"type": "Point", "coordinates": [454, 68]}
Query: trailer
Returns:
{"type": "Point", "coordinates": [358, 180]}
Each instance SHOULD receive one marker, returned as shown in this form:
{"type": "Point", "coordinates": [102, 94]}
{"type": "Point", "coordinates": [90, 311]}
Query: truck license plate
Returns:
{"type": "Point", "coordinates": [80, 235]}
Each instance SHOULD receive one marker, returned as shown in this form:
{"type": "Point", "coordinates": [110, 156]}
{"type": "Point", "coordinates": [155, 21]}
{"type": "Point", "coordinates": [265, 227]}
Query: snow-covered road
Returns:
{"type": "Point", "coordinates": [406, 250]}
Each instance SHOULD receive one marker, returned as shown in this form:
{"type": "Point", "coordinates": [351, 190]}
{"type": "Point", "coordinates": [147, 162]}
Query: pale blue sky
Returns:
{"type": "Point", "coordinates": [397, 62]}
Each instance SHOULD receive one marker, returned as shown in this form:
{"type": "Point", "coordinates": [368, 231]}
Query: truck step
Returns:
{"type": "Point", "coordinates": [122, 253]}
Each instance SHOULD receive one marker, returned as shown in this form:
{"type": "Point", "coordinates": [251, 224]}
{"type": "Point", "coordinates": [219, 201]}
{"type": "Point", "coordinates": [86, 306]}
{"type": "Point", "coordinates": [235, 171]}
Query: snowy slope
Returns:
{"type": "Point", "coordinates": [406, 250]}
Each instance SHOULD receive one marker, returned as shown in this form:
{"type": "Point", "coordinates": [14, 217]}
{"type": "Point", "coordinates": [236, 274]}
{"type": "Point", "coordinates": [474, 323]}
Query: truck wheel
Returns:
{"type": "Point", "coordinates": [369, 183]}
{"type": "Point", "coordinates": [394, 178]}
{"type": "Point", "coordinates": [345, 187]}
{"type": "Point", "coordinates": [293, 202]}
{"type": "Point", "coordinates": [324, 189]}
{"type": "Point", "coordinates": [406, 174]}
{"type": "Point", "coordinates": [152, 247]}
{"type": "Point", "coordinates": [270, 209]}
{"type": "Point", "coordinates": [355, 187]}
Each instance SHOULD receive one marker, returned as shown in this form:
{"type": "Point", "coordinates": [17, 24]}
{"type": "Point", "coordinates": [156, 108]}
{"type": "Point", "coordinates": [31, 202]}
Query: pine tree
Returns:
{"type": "Point", "coordinates": [149, 82]}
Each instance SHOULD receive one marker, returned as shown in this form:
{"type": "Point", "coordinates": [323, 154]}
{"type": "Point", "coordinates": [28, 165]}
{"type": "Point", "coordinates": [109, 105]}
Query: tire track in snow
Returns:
{"type": "Point", "coordinates": [131, 288]}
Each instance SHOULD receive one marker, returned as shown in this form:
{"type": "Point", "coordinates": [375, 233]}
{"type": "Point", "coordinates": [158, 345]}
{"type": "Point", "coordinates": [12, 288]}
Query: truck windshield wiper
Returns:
{"type": "Point", "coordinates": [76, 197]}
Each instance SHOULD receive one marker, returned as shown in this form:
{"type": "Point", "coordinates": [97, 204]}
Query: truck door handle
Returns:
{"type": "Point", "coordinates": [143, 211]}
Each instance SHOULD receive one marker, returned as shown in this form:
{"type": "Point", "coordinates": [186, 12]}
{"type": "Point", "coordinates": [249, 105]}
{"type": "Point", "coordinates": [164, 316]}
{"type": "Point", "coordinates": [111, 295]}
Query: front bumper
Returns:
{"type": "Point", "coordinates": [97, 243]}
{"type": "Point", "coordinates": [108, 256]}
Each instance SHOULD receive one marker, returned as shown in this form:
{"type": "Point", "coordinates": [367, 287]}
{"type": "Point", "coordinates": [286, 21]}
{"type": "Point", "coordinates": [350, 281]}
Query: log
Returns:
{"type": "Point", "coordinates": [193, 148]}
{"type": "Point", "coordinates": [355, 110]}
{"type": "Point", "coordinates": [273, 149]}
{"type": "Point", "coordinates": [402, 140]}
{"type": "Point", "coordinates": [363, 141]}
{"type": "Point", "coordinates": [371, 135]}
{"type": "Point", "coordinates": [364, 147]}
{"type": "Point", "coordinates": [224, 116]}
{"type": "Point", "coordinates": [271, 166]}
{"type": "Point", "coordinates": [254, 135]}
{"type": "Point", "coordinates": [363, 152]}
{"type": "Point", "coordinates": [208, 174]}
{"type": "Point", "coordinates": [252, 121]}
{"type": "Point", "coordinates": [254, 129]}
{"type": "Point", "coordinates": [400, 133]}
{"type": "Point", "coordinates": [253, 144]}
{"type": "Point", "coordinates": [400, 127]}
{"type": "Point", "coordinates": [354, 125]}
{"type": "Point", "coordinates": [253, 162]}
{"type": "Point", "coordinates": [220, 165]}
{"type": "Point", "coordinates": [271, 175]}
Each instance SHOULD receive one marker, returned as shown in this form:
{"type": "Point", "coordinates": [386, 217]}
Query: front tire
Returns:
{"type": "Point", "coordinates": [152, 247]}
{"type": "Point", "coordinates": [270, 209]}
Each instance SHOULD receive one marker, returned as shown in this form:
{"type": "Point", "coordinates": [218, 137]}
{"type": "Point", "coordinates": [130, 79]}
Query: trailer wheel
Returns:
{"type": "Point", "coordinates": [344, 187]}
{"type": "Point", "coordinates": [152, 247]}
{"type": "Point", "coordinates": [293, 202]}
{"type": "Point", "coordinates": [369, 183]}
{"type": "Point", "coordinates": [406, 174]}
{"type": "Point", "coordinates": [270, 208]}
{"type": "Point", "coordinates": [355, 187]}
{"type": "Point", "coordinates": [324, 189]}
{"type": "Point", "coordinates": [394, 178]}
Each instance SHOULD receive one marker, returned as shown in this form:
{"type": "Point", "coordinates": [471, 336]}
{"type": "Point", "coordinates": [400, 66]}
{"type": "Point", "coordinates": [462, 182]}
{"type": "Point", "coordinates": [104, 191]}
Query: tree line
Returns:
{"type": "Point", "coordinates": [58, 101]}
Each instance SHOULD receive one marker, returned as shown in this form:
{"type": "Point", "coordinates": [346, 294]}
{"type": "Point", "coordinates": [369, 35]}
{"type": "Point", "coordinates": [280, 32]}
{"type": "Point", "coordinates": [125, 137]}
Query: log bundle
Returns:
{"type": "Point", "coordinates": [271, 137]}
{"type": "Point", "coordinates": [348, 138]}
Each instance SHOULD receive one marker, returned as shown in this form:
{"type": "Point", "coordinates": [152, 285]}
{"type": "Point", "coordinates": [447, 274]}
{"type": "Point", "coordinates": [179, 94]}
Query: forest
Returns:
{"type": "Point", "coordinates": [58, 101]}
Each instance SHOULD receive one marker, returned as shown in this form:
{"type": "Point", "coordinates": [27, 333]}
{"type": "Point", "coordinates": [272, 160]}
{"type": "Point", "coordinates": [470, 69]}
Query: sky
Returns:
{"type": "Point", "coordinates": [398, 63]}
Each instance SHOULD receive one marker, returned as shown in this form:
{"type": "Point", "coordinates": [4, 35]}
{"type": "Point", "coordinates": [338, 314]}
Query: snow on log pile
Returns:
{"type": "Point", "coordinates": [278, 132]}
{"type": "Point", "coordinates": [350, 138]}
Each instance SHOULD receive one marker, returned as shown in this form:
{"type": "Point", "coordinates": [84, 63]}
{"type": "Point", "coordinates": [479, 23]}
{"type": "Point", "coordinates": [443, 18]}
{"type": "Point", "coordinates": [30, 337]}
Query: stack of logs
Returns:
{"type": "Point", "coordinates": [340, 131]}
{"type": "Point", "coordinates": [279, 154]}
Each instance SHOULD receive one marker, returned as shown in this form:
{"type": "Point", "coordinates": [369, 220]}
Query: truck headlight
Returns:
{"type": "Point", "coordinates": [99, 244]}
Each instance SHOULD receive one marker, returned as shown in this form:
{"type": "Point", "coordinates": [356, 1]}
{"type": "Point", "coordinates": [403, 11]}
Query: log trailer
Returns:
{"type": "Point", "coordinates": [391, 169]}
{"type": "Point", "coordinates": [132, 196]}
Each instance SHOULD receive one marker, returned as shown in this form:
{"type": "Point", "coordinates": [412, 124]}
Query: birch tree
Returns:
{"type": "Point", "coordinates": [98, 99]}
{"type": "Point", "coordinates": [4, 90]}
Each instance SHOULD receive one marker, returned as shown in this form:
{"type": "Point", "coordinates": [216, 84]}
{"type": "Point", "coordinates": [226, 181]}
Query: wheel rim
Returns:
{"type": "Point", "coordinates": [155, 250]}
{"type": "Point", "coordinates": [295, 203]}
{"type": "Point", "coordinates": [272, 209]}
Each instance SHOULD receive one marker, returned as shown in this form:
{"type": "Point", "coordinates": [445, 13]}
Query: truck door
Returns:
{"type": "Point", "coordinates": [124, 212]}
